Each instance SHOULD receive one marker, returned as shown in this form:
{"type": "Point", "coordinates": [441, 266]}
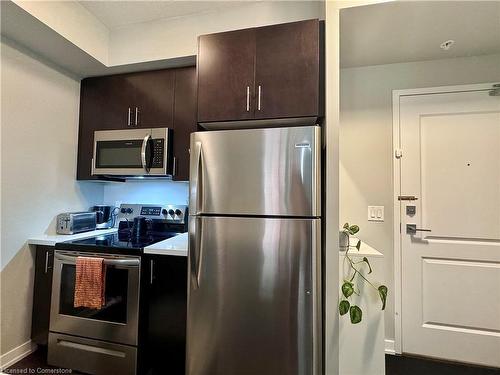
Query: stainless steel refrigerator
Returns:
{"type": "Point", "coordinates": [254, 301]}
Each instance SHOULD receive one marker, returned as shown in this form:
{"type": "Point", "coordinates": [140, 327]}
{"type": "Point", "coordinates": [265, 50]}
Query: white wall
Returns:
{"type": "Point", "coordinates": [169, 38]}
{"type": "Point", "coordinates": [149, 192]}
{"type": "Point", "coordinates": [39, 122]}
{"type": "Point", "coordinates": [74, 22]}
{"type": "Point", "coordinates": [366, 140]}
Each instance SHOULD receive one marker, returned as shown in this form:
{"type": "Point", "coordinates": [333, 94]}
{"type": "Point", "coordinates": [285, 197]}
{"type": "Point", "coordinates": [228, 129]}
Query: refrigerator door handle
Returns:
{"type": "Point", "coordinates": [195, 250]}
{"type": "Point", "coordinates": [197, 181]}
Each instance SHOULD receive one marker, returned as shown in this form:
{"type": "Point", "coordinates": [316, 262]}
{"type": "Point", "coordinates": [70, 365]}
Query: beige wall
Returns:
{"type": "Point", "coordinates": [39, 121]}
{"type": "Point", "coordinates": [74, 22]}
{"type": "Point", "coordinates": [366, 140]}
{"type": "Point", "coordinates": [169, 38]}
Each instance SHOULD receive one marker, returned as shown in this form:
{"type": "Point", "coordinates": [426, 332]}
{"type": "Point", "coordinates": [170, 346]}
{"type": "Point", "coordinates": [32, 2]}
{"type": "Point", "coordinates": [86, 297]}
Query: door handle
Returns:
{"type": "Point", "coordinates": [248, 98]}
{"type": "Point", "coordinates": [174, 165]}
{"type": "Point", "coordinates": [196, 181]}
{"type": "Point", "coordinates": [136, 116]}
{"type": "Point", "coordinates": [46, 261]}
{"type": "Point", "coordinates": [258, 97]}
{"type": "Point", "coordinates": [144, 147]}
{"type": "Point", "coordinates": [412, 229]}
{"type": "Point", "coordinates": [151, 269]}
{"type": "Point", "coordinates": [129, 116]}
{"type": "Point", "coordinates": [195, 250]}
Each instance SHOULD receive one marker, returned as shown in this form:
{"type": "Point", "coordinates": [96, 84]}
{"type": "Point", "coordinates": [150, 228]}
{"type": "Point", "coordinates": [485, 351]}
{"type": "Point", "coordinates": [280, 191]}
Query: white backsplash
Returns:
{"type": "Point", "coordinates": [148, 192]}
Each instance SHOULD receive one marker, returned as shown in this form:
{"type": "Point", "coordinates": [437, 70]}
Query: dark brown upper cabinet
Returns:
{"type": "Point", "coordinates": [287, 70]}
{"type": "Point", "coordinates": [153, 103]}
{"type": "Point", "coordinates": [160, 98]}
{"type": "Point", "coordinates": [184, 120]}
{"type": "Point", "coordinates": [226, 76]}
{"type": "Point", "coordinates": [261, 73]}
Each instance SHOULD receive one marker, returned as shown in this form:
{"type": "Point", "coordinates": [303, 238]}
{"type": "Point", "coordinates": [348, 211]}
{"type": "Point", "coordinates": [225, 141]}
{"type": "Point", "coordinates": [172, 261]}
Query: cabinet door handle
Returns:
{"type": "Point", "coordinates": [248, 98]}
{"type": "Point", "coordinates": [258, 98]}
{"type": "Point", "coordinates": [46, 261]}
{"type": "Point", "coordinates": [151, 264]}
{"type": "Point", "coordinates": [136, 116]}
{"type": "Point", "coordinates": [174, 166]}
{"type": "Point", "coordinates": [128, 117]}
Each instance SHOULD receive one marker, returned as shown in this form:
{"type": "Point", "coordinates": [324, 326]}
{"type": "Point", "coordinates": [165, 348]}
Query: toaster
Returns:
{"type": "Point", "coordinates": [76, 222]}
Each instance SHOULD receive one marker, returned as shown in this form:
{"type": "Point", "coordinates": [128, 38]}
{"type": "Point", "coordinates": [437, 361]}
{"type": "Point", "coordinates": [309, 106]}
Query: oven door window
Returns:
{"type": "Point", "coordinates": [119, 154]}
{"type": "Point", "coordinates": [115, 309]}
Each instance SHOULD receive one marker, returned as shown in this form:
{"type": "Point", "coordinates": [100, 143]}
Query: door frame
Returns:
{"type": "Point", "coordinates": [396, 170]}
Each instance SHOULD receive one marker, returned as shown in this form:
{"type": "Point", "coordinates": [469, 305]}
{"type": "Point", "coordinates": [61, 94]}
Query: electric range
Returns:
{"type": "Point", "coordinates": [107, 340]}
{"type": "Point", "coordinates": [163, 222]}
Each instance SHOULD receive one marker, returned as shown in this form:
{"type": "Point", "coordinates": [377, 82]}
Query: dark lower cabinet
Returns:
{"type": "Point", "coordinates": [167, 307]}
{"type": "Point", "coordinates": [42, 289]}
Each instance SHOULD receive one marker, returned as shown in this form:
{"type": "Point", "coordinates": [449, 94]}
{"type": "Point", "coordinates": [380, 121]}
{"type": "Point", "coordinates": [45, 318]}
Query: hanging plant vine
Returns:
{"type": "Point", "coordinates": [349, 286]}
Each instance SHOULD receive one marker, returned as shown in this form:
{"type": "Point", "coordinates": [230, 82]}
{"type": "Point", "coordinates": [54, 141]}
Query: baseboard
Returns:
{"type": "Point", "coordinates": [389, 347]}
{"type": "Point", "coordinates": [16, 354]}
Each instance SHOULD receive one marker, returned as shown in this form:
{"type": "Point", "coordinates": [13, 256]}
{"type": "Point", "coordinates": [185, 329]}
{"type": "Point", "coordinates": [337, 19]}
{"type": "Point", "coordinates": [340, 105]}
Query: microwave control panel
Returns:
{"type": "Point", "coordinates": [158, 153]}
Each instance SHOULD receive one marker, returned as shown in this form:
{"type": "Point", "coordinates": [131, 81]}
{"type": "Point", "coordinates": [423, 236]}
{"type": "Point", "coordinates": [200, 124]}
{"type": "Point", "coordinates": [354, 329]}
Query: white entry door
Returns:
{"type": "Point", "coordinates": [450, 274]}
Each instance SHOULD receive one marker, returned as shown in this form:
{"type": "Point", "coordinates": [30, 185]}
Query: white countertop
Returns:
{"type": "Point", "coordinates": [51, 240]}
{"type": "Point", "coordinates": [364, 251]}
{"type": "Point", "coordinates": [177, 245]}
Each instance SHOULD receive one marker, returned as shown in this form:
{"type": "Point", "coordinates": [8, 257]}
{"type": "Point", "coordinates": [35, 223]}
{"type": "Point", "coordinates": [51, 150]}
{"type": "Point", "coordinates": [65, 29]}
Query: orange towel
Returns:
{"type": "Point", "coordinates": [90, 282]}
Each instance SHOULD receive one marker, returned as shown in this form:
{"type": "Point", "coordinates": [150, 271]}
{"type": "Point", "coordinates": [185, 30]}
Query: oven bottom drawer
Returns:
{"type": "Point", "coordinates": [91, 356]}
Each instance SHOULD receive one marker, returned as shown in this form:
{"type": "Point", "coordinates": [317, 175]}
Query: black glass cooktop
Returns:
{"type": "Point", "coordinates": [121, 242]}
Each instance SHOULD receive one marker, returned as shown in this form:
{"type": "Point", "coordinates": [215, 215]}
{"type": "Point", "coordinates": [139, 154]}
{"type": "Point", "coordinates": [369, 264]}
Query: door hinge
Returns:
{"type": "Point", "coordinates": [398, 153]}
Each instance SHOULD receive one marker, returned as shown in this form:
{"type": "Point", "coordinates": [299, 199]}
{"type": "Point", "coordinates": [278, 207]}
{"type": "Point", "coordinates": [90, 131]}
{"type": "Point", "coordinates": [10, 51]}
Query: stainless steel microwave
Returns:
{"type": "Point", "coordinates": [133, 152]}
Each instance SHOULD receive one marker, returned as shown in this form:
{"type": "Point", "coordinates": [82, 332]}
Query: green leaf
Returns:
{"type": "Point", "coordinates": [365, 259]}
{"type": "Point", "coordinates": [382, 292]}
{"type": "Point", "coordinates": [346, 226]}
{"type": "Point", "coordinates": [355, 314]}
{"type": "Point", "coordinates": [347, 289]}
{"type": "Point", "coordinates": [344, 307]}
{"type": "Point", "coordinates": [358, 245]}
{"type": "Point", "coordinates": [353, 229]}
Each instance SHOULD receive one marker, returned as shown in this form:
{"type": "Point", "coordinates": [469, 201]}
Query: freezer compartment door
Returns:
{"type": "Point", "coordinates": [254, 296]}
{"type": "Point", "coordinates": [273, 172]}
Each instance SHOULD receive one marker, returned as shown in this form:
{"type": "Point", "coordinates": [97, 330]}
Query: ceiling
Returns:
{"type": "Point", "coordinates": [115, 14]}
{"type": "Point", "coordinates": [397, 32]}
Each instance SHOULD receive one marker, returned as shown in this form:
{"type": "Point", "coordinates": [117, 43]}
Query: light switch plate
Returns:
{"type": "Point", "coordinates": [375, 213]}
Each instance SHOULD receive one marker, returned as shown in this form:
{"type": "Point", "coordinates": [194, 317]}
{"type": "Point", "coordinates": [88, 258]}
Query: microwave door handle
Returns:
{"type": "Point", "coordinates": [143, 152]}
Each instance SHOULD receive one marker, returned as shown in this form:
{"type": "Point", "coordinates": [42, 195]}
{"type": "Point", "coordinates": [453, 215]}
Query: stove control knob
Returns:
{"type": "Point", "coordinates": [129, 210]}
{"type": "Point", "coordinates": [178, 212]}
{"type": "Point", "coordinates": [123, 210]}
{"type": "Point", "coordinates": [171, 212]}
{"type": "Point", "coordinates": [164, 211]}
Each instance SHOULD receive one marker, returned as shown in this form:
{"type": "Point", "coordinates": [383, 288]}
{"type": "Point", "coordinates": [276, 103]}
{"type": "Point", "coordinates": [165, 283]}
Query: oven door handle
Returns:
{"type": "Point", "coordinates": [108, 262]}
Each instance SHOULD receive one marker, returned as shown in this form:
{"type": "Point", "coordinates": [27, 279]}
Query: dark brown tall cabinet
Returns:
{"type": "Point", "coordinates": [261, 73]}
{"type": "Point", "coordinates": [159, 98]}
